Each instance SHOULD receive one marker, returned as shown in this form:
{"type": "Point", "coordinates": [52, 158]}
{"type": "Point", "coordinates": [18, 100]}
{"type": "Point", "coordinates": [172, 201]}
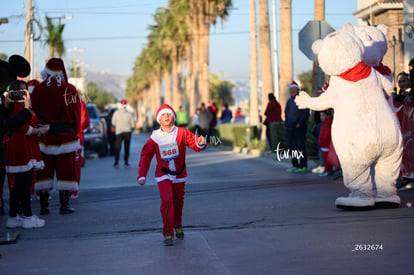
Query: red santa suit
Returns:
{"type": "Point", "coordinates": [171, 173]}
{"type": "Point", "coordinates": [325, 140]}
{"type": "Point", "coordinates": [80, 160]}
{"type": "Point", "coordinates": [22, 148]}
{"type": "Point", "coordinates": [57, 103]}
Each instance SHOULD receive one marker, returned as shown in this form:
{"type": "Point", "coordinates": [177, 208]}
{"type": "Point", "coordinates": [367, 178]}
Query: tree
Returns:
{"type": "Point", "coordinates": [317, 73]}
{"type": "Point", "coordinates": [286, 59]}
{"type": "Point", "coordinates": [221, 91]}
{"type": "Point", "coordinates": [207, 12]}
{"type": "Point", "coordinates": [54, 38]}
{"type": "Point", "coordinates": [305, 79]}
{"type": "Point", "coordinates": [265, 50]}
{"type": "Point", "coordinates": [3, 56]}
{"type": "Point", "coordinates": [265, 54]}
{"type": "Point", "coordinates": [99, 97]}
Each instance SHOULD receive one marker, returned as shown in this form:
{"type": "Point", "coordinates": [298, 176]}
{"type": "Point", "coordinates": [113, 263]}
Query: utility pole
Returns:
{"type": "Point", "coordinates": [75, 60]}
{"type": "Point", "coordinates": [29, 36]}
{"type": "Point", "coordinates": [4, 20]}
{"type": "Point", "coordinates": [317, 75]}
{"type": "Point", "coordinates": [254, 101]}
{"type": "Point", "coordinates": [275, 53]}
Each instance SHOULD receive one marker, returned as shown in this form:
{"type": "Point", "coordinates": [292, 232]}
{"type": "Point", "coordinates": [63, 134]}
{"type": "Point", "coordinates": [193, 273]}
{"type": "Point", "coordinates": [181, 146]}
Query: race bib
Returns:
{"type": "Point", "coordinates": [169, 151]}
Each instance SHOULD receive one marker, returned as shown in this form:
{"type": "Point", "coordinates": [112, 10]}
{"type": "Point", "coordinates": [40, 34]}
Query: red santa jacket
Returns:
{"type": "Point", "coordinates": [84, 123]}
{"type": "Point", "coordinates": [58, 106]}
{"type": "Point", "coordinates": [22, 148]}
{"type": "Point", "coordinates": [170, 150]}
{"type": "Point", "coordinates": [325, 133]}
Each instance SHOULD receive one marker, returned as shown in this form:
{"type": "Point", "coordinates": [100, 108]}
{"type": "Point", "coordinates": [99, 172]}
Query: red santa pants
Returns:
{"type": "Point", "coordinates": [328, 165]}
{"type": "Point", "coordinates": [64, 166]}
{"type": "Point", "coordinates": [172, 203]}
{"type": "Point", "coordinates": [79, 163]}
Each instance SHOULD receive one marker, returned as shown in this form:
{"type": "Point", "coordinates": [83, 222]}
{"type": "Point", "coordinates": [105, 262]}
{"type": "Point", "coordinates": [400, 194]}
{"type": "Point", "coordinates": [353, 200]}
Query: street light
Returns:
{"type": "Point", "coordinates": [75, 51]}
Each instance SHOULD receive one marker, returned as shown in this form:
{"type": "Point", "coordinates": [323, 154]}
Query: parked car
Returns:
{"type": "Point", "coordinates": [96, 134]}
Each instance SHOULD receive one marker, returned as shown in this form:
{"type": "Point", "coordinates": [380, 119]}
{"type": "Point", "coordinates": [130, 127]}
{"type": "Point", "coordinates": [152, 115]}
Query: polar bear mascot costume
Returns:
{"type": "Point", "coordinates": [365, 132]}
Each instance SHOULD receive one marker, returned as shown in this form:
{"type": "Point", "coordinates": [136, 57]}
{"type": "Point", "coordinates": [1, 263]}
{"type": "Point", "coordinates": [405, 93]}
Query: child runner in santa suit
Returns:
{"type": "Point", "coordinates": [169, 144]}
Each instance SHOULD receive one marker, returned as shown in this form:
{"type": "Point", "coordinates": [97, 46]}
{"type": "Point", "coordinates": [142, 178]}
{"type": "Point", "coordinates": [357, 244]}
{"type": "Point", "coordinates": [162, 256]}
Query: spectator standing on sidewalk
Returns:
{"type": "Point", "coordinates": [273, 115]}
{"type": "Point", "coordinates": [23, 156]}
{"type": "Point", "coordinates": [316, 130]}
{"type": "Point", "coordinates": [123, 122]}
{"type": "Point", "coordinates": [226, 114]}
{"type": "Point", "coordinates": [168, 144]}
{"type": "Point", "coordinates": [325, 139]}
{"type": "Point", "coordinates": [205, 120]}
{"type": "Point", "coordinates": [182, 119]}
{"type": "Point", "coordinates": [296, 122]}
{"type": "Point", "coordinates": [8, 73]}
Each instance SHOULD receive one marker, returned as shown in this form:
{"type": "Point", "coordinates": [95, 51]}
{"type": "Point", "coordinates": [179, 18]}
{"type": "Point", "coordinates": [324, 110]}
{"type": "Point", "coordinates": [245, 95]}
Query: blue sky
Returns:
{"type": "Point", "coordinates": [113, 32]}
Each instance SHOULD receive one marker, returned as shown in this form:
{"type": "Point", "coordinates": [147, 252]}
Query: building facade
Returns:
{"type": "Point", "coordinates": [396, 14]}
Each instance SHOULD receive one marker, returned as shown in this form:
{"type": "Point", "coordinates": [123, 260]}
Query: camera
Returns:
{"type": "Point", "coordinates": [17, 95]}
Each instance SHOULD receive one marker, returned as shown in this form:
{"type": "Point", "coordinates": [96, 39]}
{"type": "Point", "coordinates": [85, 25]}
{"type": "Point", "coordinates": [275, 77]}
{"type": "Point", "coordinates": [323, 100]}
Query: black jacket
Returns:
{"type": "Point", "coordinates": [294, 115]}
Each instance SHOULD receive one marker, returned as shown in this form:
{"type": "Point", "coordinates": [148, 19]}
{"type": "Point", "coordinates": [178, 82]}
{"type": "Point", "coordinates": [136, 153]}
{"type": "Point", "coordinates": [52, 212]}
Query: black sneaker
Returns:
{"type": "Point", "coordinates": [179, 233]}
{"type": "Point", "coordinates": [126, 164]}
{"type": "Point", "coordinates": [168, 239]}
{"type": "Point", "coordinates": [116, 164]}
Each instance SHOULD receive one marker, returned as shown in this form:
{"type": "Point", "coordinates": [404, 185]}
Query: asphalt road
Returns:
{"type": "Point", "coordinates": [242, 215]}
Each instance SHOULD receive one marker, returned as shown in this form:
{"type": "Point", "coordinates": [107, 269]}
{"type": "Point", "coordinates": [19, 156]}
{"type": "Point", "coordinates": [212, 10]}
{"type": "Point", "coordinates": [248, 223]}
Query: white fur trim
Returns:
{"type": "Point", "coordinates": [141, 178]}
{"type": "Point", "coordinates": [44, 185]}
{"type": "Point", "coordinates": [60, 149]}
{"type": "Point", "coordinates": [67, 185]}
{"type": "Point", "coordinates": [52, 72]}
{"type": "Point", "coordinates": [29, 131]}
{"type": "Point", "coordinates": [160, 137]}
{"type": "Point", "coordinates": [165, 111]}
{"type": "Point", "coordinates": [32, 164]}
{"type": "Point", "coordinates": [171, 178]}
{"type": "Point", "coordinates": [201, 146]}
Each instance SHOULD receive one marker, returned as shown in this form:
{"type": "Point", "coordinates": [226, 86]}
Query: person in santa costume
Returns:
{"type": "Point", "coordinates": [56, 103]}
{"type": "Point", "coordinates": [80, 159]}
{"type": "Point", "coordinates": [22, 158]}
{"type": "Point", "coordinates": [169, 144]}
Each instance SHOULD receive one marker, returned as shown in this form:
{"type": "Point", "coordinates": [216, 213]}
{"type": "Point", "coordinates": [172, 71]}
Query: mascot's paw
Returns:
{"type": "Point", "coordinates": [355, 202]}
{"type": "Point", "coordinates": [302, 99]}
{"type": "Point", "coordinates": [383, 202]}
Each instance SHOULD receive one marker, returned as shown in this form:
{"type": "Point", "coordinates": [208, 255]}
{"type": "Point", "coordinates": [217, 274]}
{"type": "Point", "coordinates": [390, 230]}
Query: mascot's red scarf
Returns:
{"type": "Point", "coordinates": [384, 70]}
{"type": "Point", "coordinates": [356, 73]}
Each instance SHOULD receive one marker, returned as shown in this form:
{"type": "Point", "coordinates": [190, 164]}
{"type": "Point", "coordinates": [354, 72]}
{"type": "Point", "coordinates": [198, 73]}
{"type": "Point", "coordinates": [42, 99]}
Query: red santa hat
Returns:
{"type": "Point", "coordinates": [294, 85]}
{"type": "Point", "coordinates": [123, 102]}
{"type": "Point", "coordinates": [165, 109]}
{"type": "Point", "coordinates": [325, 86]}
{"type": "Point", "coordinates": [55, 68]}
{"type": "Point", "coordinates": [32, 84]}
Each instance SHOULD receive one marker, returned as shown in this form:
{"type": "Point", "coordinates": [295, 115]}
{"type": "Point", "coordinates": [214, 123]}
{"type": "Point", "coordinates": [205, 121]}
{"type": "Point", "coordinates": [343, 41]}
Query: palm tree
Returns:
{"type": "Point", "coordinates": [54, 38]}
{"type": "Point", "coordinates": [265, 54]}
{"type": "Point", "coordinates": [207, 12]}
{"type": "Point", "coordinates": [286, 59]}
{"type": "Point", "coordinates": [265, 50]}
{"type": "Point", "coordinates": [317, 74]}
{"type": "Point", "coordinates": [254, 112]}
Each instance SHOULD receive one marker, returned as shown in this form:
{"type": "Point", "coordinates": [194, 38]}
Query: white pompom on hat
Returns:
{"type": "Point", "coordinates": [294, 85]}
{"type": "Point", "coordinates": [165, 109]}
